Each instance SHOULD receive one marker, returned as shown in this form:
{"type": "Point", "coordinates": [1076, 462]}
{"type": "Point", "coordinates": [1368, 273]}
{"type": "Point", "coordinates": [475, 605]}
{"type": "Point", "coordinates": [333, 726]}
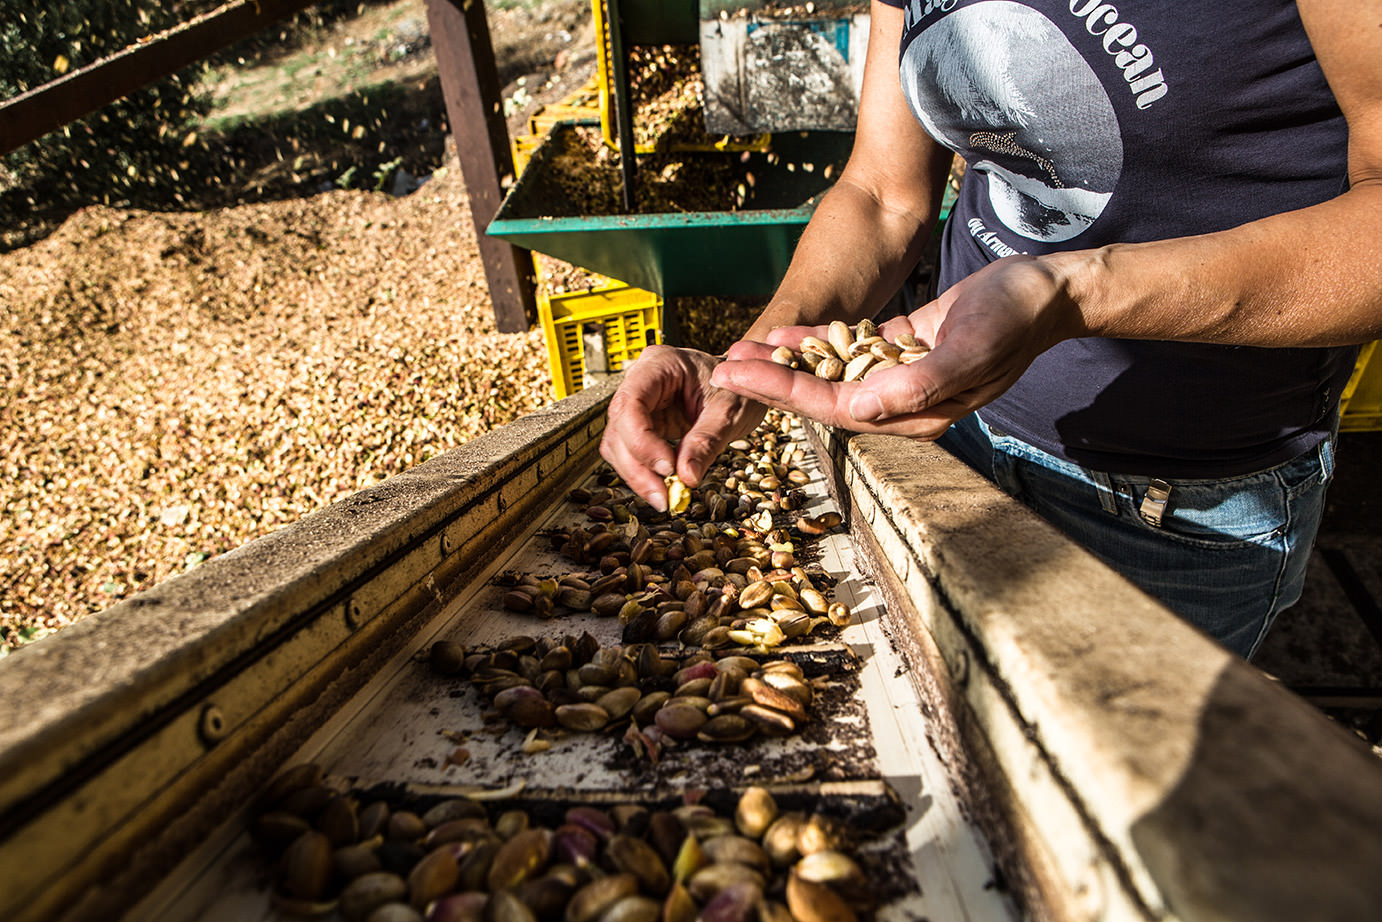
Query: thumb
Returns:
{"type": "Point", "coordinates": [904, 390]}
{"type": "Point", "coordinates": [945, 382]}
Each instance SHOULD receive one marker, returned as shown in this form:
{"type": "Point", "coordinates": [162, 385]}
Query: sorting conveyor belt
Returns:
{"type": "Point", "coordinates": [1057, 745]}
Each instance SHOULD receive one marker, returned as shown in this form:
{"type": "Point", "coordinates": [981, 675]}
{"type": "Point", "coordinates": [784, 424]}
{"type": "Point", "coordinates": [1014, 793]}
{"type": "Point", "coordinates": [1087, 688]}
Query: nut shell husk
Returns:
{"type": "Point", "coordinates": [368, 892]}
{"type": "Point", "coordinates": [590, 902]}
{"type": "Point", "coordinates": [813, 902]}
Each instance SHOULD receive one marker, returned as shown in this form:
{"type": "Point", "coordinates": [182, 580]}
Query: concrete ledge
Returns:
{"type": "Point", "coordinates": [1205, 790]}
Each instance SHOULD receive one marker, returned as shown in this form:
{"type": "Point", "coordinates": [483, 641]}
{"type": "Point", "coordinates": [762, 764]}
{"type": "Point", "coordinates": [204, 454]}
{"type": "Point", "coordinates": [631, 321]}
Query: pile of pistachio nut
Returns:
{"type": "Point", "coordinates": [850, 354]}
{"type": "Point", "coordinates": [723, 567]}
{"type": "Point", "coordinates": [464, 859]}
{"type": "Point", "coordinates": [656, 699]}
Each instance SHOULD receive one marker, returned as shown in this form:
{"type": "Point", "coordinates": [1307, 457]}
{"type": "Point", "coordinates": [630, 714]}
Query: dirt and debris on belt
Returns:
{"type": "Point", "coordinates": [178, 384]}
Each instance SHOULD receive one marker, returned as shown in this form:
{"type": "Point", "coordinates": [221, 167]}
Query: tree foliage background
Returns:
{"type": "Point", "coordinates": [128, 144]}
{"type": "Point", "coordinates": [135, 150]}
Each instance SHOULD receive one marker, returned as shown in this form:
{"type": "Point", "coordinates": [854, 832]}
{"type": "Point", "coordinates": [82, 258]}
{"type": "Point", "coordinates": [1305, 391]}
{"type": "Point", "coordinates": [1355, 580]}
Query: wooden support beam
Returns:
{"type": "Point", "coordinates": [45, 108]}
{"type": "Point", "coordinates": [470, 81]}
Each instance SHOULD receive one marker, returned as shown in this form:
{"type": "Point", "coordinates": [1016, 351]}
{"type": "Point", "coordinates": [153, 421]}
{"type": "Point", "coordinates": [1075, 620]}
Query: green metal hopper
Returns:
{"type": "Point", "coordinates": [727, 253]}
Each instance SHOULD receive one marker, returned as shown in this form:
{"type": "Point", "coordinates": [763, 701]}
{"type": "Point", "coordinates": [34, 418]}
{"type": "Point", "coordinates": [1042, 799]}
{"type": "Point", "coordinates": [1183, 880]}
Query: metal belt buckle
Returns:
{"type": "Point", "coordinates": [1154, 503]}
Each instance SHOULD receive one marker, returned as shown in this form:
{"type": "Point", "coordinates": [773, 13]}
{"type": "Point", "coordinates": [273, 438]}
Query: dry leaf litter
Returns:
{"type": "Point", "coordinates": [176, 385]}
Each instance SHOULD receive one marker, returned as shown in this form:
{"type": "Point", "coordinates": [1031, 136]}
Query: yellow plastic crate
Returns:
{"type": "Point", "coordinates": [615, 321]}
{"type": "Point", "coordinates": [1361, 404]}
{"type": "Point", "coordinates": [580, 106]}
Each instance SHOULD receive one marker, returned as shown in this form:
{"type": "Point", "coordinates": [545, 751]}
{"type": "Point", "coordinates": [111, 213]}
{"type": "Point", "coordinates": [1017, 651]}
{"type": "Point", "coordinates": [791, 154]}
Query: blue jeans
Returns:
{"type": "Point", "coordinates": [1226, 554]}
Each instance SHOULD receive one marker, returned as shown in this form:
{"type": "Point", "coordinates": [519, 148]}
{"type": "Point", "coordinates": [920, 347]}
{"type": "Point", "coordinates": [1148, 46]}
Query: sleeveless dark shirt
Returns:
{"type": "Point", "coordinates": [1085, 123]}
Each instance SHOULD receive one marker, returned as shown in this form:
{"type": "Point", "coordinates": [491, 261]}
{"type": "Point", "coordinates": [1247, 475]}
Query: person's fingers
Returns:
{"type": "Point", "coordinates": [641, 477]}
{"type": "Point", "coordinates": [644, 413]}
{"type": "Point", "coordinates": [724, 417]}
{"type": "Point", "coordinates": [792, 336]}
{"type": "Point", "coordinates": [897, 391]}
{"type": "Point", "coordinates": [745, 349]}
{"type": "Point", "coordinates": [771, 383]}
{"type": "Point", "coordinates": [832, 402]}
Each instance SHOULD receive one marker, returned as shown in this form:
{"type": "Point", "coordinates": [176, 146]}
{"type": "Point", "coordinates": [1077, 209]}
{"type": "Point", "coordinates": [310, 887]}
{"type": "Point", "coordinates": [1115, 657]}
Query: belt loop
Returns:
{"type": "Point", "coordinates": [1103, 486]}
{"type": "Point", "coordinates": [1154, 503]}
{"type": "Point", "coordinates": [1326, 453]}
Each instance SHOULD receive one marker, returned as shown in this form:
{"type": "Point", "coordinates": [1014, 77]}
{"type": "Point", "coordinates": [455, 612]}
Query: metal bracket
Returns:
{"type": "Point", "coordinates": [1154, 503]}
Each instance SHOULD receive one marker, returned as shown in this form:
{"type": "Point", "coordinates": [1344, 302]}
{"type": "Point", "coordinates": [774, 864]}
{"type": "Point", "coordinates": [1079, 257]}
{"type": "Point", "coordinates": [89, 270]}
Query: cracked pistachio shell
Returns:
{"type": "Point", "coordinates": [590, 902]}
{"type": "Point", "coordinates": [678, 495]}
{"type": "Point", "coordinates": [857, 366]}
{"type": "Point", "coordinates": [368, 892]}
{"type": "Point", "coordinates": [755, 811]}
{"type": "Point", "coordinates": [459, 907]}
{"type": "Point", "coordinates": [307, 866]}
{"type": "Point", "coordinates": [690, 859]}
{"type": "Point", "coordinates": [583, 717]}
{"type": "Point", "coordinates": [679, 907]}
{"type": "Point", "coordinates": [841, 338]}
{"type": "Point", "coordinates": [737, 849]}
{"type": "Point", "coordinates": [755, 595]}
{"type": "Point", "coordinates": [820, 833]}
{"type": "Point", "coordinates": [455, 808]}
{"type": "Point", "coordinates": [737, 902]}
{"type": "Point", "coordinates": [783, 355]}
{"type": "Point", "coordinates": [712, 879]}
{"type": "Point", "coordinates": [725, 728]}
{"type": "Point", "coordinates": [813, 902]}
{"type": "Point", "coordinates": [680, 721]}
{"type": "Point", "coordinates": [522, 857]}
{"type": "Point", "coordinates": [505, 906]}
{"type": "Point", "coordinates": [780, 839]}
{"type": "Point", "coordinates": [837, 871]}
{"type": "Point", "coordinates": [634, 856]}
{"type": "Point", "coordinates": [766, 695]}
{"type": "Point", "coordinates": [619, 702]}
{"type": "Point", "coordinates": [432, 877]}
{"type": "Point", "coordinates": [633, 909]}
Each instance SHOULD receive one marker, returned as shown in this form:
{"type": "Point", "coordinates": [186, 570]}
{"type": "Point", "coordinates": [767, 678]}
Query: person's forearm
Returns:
{"type": "Point", "coordinates": [870, 229]}
{"type": "Point", "coordinates": [1311, 277]}
{"type": "Point", "coordinates": [854, 254]}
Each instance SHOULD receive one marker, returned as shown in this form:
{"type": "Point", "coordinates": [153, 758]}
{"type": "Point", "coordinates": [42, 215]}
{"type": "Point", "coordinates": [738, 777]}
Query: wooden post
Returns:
{"type": "Point", "coordinates": [470, 81]}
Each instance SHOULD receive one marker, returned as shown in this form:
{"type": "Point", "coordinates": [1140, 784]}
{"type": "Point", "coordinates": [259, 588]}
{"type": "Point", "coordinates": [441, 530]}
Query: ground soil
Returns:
{"type": "Point", "coordinates": [183, 375]}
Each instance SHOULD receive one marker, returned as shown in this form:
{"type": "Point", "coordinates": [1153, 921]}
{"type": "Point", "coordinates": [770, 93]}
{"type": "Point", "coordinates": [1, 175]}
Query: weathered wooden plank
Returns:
{"type": "Point", "coordinates": [465, 62]}
{"type": "Point", "coordinates": [46, 108]}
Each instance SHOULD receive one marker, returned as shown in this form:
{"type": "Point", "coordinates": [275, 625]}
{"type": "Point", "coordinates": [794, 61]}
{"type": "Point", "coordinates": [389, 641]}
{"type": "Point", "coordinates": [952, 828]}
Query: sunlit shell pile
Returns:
{"type": "Point", "coordinates": [850, 354]}
{"type": "Point", "coordinates": [464, 860]}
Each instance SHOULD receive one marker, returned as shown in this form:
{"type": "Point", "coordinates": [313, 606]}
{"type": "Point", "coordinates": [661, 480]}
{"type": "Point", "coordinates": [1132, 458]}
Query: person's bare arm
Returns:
{"type": "Point", "coordinates": [1311, 277]}
{"type": "Point", "coordinates": [865, 235]}
{"type": "Point", "coordinates": [870, 228]}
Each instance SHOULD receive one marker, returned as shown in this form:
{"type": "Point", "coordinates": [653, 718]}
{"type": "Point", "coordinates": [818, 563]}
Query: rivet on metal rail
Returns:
{"type": "Point", "coordinates": [354, 615]}
{"type": "Point", "coordinates": [959, 669]}
{"type": "Point", "coordinates": [446, 543]}
{"type": "Point", "coordinates": [212, 726]}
